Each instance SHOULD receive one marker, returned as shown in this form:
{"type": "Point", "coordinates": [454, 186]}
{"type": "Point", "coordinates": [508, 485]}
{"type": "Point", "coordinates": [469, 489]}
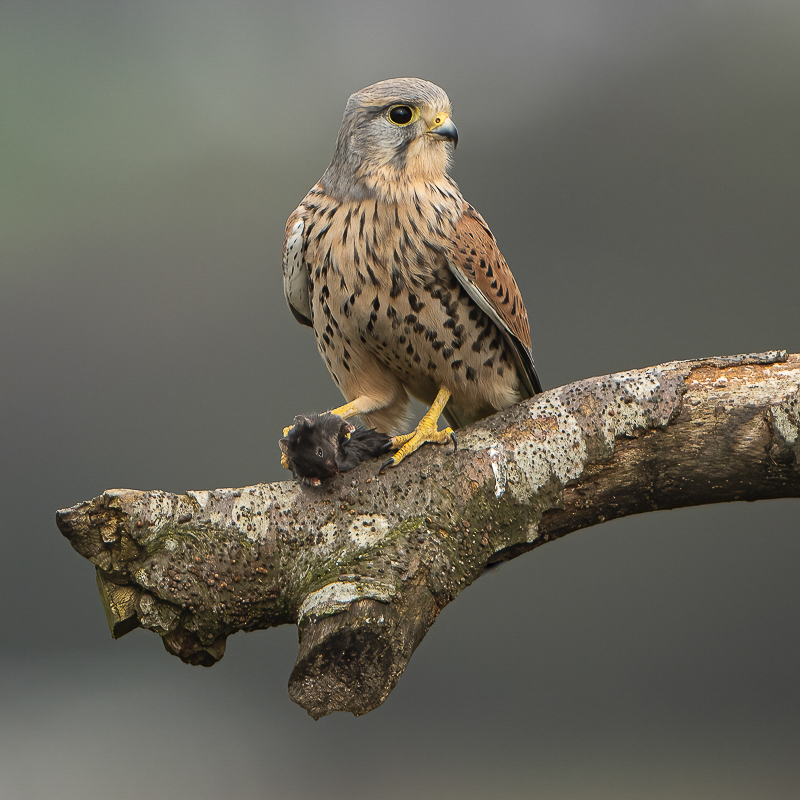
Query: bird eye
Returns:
{"type": "Point", "coordinates": [320, 454]}
{"type": "Point", "coordinates": [401, 115]}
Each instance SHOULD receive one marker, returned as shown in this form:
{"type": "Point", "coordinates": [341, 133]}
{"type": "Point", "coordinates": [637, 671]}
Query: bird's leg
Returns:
{"type": "Point", "coordinates": [349, 409]}
{"type": "Point", "coordinates": [426, 431]}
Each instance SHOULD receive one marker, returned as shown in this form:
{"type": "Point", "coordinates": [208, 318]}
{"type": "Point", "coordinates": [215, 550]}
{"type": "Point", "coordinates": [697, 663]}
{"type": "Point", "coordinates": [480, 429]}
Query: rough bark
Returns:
{"type": "Point", "coordinates": [364, 564]}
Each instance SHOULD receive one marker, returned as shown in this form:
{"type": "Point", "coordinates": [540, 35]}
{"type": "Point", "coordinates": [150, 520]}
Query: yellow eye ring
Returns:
{"type": "Point", "coordinates": [402, 115]}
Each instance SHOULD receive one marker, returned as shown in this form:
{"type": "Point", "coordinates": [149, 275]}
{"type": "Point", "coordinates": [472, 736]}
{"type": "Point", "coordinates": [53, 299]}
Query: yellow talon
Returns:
{"type": "Point", "coordinates": [415, 440]}
{"type": "Point", "coordinates": [426, 431]}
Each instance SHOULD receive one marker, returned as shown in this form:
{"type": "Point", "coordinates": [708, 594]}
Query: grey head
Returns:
{"type": "Point", "coordinates": [394, 130]}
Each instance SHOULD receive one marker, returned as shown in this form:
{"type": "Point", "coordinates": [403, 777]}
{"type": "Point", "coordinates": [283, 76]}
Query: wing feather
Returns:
{"type": "Point", "coordinates": [296, 280]}
{"type": "Point", "coordinates": [480, 268]}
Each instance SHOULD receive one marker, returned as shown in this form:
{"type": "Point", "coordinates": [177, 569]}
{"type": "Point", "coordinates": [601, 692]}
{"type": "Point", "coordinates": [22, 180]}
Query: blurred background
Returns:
{"type": "Point", "coordinates": [639, 164]}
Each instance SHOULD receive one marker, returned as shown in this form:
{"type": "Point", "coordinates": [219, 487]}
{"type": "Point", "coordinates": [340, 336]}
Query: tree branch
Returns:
{"type": "Point", "coordinates": [364, 564]}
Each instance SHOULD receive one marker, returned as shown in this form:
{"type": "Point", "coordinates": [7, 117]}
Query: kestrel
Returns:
{"type": "Point", "coordinates": [400, 277]}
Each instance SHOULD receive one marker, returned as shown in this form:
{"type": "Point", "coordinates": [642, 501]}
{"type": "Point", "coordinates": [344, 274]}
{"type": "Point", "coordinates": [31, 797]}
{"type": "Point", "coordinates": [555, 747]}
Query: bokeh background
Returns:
{"type": "Point", "coordinates": [640, 166]}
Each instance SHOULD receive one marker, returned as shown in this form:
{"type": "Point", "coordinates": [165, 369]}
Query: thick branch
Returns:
{"type": "Point", "coordinates": [364, 564]}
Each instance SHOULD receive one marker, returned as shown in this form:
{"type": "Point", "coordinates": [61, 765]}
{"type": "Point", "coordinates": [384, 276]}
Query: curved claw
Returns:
{"type": "Point", "coordinates": [389, 463]}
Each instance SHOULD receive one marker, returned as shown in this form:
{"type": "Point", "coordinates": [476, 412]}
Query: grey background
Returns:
{"type": "Point", "coordinates": [639, 164]}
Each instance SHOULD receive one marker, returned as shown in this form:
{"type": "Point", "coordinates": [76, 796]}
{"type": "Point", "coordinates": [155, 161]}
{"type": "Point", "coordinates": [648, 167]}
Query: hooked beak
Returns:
{"type": "Point", "coordinates": [445, 130]}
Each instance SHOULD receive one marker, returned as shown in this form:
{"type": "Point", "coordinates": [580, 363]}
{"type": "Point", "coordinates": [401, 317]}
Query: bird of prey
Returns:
{"type": "Point", "coordinates": [400, 277]}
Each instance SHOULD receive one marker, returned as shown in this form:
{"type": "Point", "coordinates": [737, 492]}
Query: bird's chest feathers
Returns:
{"type": "Point", "coordinates": [362, 251]}
{"type": "Point", "coordinates": [381, 280]}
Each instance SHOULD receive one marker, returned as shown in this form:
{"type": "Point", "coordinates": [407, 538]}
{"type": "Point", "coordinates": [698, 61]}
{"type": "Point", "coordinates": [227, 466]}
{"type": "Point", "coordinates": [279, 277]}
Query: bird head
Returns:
{"type": "Point", "coordinates": [393, 133]}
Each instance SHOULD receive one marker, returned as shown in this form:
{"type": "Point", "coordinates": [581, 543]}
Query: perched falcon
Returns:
{"type": "Point", "coordinates": [400, 278]}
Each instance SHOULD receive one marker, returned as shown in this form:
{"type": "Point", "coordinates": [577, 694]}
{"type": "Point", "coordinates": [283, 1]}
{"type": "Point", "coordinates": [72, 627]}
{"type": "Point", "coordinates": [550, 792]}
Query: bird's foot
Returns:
{"type": "Point", "coordinates": [284, 459]}
{"type": "Point", "coordinates": [426, 431]}
{"type": "Point", "coordinates": [410, 442]}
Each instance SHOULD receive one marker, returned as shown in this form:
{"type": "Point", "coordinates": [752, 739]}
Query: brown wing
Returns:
{"type": "Point", "coordinates": [481, 269]}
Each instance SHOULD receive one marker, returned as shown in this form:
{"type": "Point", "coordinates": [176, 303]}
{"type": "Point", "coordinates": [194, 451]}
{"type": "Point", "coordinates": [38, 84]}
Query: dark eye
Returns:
{"type": "Point", "coordinates": [320, 454]}
{"type": "Point", "coordinates": [401, 115]}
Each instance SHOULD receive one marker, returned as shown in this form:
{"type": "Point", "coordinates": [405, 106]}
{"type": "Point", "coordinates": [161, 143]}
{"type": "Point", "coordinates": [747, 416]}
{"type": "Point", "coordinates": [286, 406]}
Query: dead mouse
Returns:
{"type": "Point", "coordinates": [320, 446]}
